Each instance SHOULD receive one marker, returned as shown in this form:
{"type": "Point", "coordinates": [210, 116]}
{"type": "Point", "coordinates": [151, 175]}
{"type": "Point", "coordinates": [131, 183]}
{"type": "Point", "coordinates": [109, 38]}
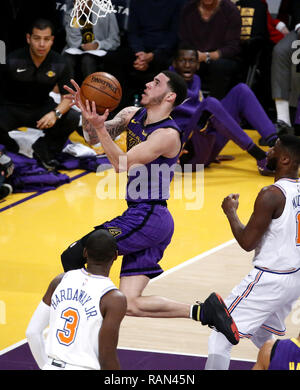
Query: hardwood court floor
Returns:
{"type": "Point", "coordinates": [34, 232]}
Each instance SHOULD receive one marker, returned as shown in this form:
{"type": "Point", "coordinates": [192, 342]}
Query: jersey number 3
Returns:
{"type": "Point", "coordinates": [66, 336]}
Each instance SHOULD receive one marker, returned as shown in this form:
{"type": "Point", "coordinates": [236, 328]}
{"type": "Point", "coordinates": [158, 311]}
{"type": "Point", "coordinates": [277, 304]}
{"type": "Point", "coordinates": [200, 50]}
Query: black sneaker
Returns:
{"type": "Point", "coordinates": [214, 313]}
{"type": "Point", "coordinates": [283, 128]}
{"type": "Point", "coordinates": [41, 154]}
{"type": "Point", "coordinates": [5, 190]}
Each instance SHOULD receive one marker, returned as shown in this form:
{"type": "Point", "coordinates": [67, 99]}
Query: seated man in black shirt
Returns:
{"type": "Point", "coordinates": [28, 77]}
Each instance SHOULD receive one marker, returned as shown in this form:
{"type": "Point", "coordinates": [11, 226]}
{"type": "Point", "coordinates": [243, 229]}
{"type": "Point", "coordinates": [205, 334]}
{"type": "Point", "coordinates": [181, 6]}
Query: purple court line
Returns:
{"type": "Point", "coordinates": [39, 193]}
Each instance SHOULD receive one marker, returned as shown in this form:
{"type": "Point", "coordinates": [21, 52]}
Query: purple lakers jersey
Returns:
{"type": "Point", "coordinates": [149, 182]}
{"type": "Point", "coordinates": [285, 355]}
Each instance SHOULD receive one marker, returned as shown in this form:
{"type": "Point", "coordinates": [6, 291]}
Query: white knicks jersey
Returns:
{"type": "Point", "coordinates": [279, 249]}
{"type": "Point", "coordinates": [75, 318]}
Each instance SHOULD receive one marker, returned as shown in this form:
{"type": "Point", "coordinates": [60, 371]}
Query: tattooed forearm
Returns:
{"type": "Point", "coordinates": [89, 129]}
{"type": "Point", "coordinates": [86, 124]}
{"type": "Point", "coordinates": [114, 126]}
{"type": "Point", "coordinates": [118, 124]}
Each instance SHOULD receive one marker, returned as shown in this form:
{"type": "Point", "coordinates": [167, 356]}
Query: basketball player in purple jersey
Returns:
{"type": "Point", "coordinates": [279, 355]}
{"type": "Point", "coordinates": [225, 116]}
{"type": "Point", "coordinates": [145, 229]}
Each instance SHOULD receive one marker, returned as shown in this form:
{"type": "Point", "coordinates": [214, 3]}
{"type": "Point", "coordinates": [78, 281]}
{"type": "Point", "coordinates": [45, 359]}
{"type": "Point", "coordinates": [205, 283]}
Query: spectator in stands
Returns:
{"type": "Point", "coordinates": [152, 38]}
{"type": "Point", "coordinates": [220, 120]}
{"type": "Point", "coordinates": [276, 27]}
{"type": "Point", "coordinates": [152, 32]}
{"type": "Point", "coordinates": [281, 70]}
{"type": "Point", "coordinates": [255, 51]}
{"type": "Point", "coordinates": [102, 34]}
{"type": "Point", "coordinates": [28, 77]}
{"type": "Point", "coordinates": [214, 28]}
{"type": "Point", "coordinates": [19, 16]}
{"type": "Point", "coordinates": [260, 32]}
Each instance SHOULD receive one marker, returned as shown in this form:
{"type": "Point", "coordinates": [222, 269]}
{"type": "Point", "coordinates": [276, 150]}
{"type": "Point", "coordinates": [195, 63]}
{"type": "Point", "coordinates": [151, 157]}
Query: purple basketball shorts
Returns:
{"type": "Point", "coordinates": [142, 232]}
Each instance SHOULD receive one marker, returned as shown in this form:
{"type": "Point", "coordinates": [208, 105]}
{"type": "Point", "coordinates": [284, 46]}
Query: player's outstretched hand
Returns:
{"type": "Point", "coordinates": [88, 110]}
{"type": "Point", "coordinates": [74, 95]}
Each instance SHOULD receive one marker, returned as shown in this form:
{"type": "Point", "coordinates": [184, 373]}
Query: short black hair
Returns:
{"type": "Point", "coordinates": [185, 46]}
{"type": "Point", "coordinates": [41, 24]}
{"type": "Point", "coordinates": [101, 246]}
{"type": "Point", "coordinates": [292, 144]}
{"type": "Point", "coordinates": [177, 85]}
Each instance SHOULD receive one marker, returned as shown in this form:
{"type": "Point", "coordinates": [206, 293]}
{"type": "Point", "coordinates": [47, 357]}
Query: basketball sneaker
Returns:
{"type": "Point", "coordinates": [283, 128]}
{"type": "Point", "coordinates": [214, 313]}
{"type": "Point", "coordinates": [41, 154]}
{"type": "Point", "coordinates": [5, 190]}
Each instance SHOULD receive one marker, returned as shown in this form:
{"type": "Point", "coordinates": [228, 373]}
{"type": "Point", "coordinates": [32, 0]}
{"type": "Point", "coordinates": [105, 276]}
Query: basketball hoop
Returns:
{"type": "Point", "coordinates": [83, 11]}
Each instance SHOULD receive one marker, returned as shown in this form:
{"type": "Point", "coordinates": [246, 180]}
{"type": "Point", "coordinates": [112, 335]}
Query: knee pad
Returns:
{"type": "Point", "coordinates": [72, 257]}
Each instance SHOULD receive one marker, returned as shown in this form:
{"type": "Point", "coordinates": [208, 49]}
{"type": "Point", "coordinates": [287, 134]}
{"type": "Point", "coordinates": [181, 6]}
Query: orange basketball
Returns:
{"type": "Point", "coordinates": [102, 88]}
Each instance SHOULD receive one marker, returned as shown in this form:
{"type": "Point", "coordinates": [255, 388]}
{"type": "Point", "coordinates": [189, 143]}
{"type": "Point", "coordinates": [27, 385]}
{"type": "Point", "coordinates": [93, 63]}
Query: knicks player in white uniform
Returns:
{"type": "Point", "coordinates": [264, 298]}
{"type": "Point", "coordinates": [84, 310]}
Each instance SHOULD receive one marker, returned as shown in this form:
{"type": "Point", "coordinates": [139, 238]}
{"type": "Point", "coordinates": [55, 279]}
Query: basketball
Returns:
{"type": "Point", "coordinates": [102, 88]}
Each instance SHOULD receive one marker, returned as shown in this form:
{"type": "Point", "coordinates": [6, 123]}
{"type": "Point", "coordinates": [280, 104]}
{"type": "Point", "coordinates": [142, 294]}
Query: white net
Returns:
{"type": "Point", "coordinates": [88, 11]}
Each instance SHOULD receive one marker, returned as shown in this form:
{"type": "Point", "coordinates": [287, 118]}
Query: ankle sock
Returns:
{"type": "Point", "coordinates": [196, 312]}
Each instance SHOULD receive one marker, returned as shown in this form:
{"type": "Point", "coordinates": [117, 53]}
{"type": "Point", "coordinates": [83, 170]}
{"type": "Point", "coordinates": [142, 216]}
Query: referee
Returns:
{"type": "Point", "coordinates": [28, 77]}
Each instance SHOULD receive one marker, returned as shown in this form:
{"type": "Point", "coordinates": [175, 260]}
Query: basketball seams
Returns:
{"type": "Point", "coordinates": [97, 105]}
{"type": "Point", "coordinates": [102, 88]}
{"type": "Point", "coordinates": [99, 90]}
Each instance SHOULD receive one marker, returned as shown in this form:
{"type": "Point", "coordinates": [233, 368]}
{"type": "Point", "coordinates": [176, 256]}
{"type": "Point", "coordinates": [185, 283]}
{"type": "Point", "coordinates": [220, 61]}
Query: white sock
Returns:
{"type": "Point", "coordinates": [219, 350]}
{"type": "Point", "coordinates": [217, 362]}
{"type": "Point", "coordinates": [283, 110]}
{"type": "Point", "coordinates": [191, 311]}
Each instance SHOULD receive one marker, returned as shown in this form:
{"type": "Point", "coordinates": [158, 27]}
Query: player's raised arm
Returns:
{"type": "Point", "coordinates": [119, 123]}
{"type": "Point", "coordinates": [268, 201]}
{"type": "Point", "coordinates": [90, 123]}
{"type": "Point", "coordinates": [163, 142]}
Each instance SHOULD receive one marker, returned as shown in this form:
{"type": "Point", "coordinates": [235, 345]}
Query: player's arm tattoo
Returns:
{"type": "Point", "coordinates": [114, 126]}
{"type": "Point", "coordinates": [92, 133]}
{"type": "Point", "coordinates": [119, 123]}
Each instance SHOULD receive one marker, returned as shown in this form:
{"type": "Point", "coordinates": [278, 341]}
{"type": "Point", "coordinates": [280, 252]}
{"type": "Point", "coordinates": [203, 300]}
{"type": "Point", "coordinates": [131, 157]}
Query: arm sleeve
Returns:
{"type": "Point", "coordinates": [34, 333]}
